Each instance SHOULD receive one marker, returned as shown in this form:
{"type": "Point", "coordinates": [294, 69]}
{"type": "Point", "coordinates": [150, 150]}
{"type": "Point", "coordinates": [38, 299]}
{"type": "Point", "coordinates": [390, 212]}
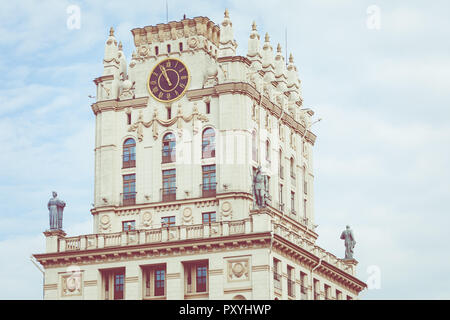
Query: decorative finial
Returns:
{"type": "Point", "coordinates": [227, 14]}
{"type": "Point", "coordinates": [267, 37]}
{"type": "Point", "coordinates": [279, 48]}
{"type": "Point", "coordinates": [120, 45]}
{"type": "Point", "coordinates": [111, 32]}
{"type": "Point", "coordinates": [254, 26]}
{"type": "Point", "coordinates": [291, 58]}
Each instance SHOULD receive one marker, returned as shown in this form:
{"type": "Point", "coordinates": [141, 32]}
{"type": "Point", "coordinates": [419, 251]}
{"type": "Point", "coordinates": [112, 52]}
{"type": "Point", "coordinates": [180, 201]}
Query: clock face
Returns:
{"type": "Point", "coordinates": [168, 80]}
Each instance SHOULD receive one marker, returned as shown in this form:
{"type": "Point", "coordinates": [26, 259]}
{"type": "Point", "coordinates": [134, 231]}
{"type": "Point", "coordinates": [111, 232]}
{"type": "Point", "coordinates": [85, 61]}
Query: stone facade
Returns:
{"type": "Point", "coordinates": [150, 238]}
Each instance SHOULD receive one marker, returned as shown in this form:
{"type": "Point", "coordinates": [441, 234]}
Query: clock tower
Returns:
{"type": "Point", "coordinates": [182, 130]}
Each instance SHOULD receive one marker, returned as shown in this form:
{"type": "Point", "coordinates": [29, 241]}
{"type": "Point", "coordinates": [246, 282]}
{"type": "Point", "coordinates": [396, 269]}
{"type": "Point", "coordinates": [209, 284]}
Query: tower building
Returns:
{"type": "Point", "coordinates": [183, 131]}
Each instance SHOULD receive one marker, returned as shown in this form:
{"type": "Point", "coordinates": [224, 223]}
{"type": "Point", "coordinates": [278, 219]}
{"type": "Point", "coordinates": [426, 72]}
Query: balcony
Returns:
{"type": "Point", "coordinates": [208, 189]}
{"type": "Point", "coordinates": [168, 194]}
{"type": "Point", "coordinates": [157, 235]}
{"type": "Point", "coordinates": [128, 198]}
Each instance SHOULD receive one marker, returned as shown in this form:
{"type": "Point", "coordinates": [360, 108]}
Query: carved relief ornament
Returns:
{"type": "Point", "coordinates": [140, 123]}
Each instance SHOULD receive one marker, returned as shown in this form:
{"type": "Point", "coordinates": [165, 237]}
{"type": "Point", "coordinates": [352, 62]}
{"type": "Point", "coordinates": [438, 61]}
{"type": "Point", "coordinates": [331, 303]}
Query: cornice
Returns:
{"type": "Point", "coordinates": [143, 251]}
{"type": "Point", "coordinates": [117, 105]}
{"type": "Point", "coordinates": [250, 91]}
{"type": "Point", "coordinates": [325, 269]}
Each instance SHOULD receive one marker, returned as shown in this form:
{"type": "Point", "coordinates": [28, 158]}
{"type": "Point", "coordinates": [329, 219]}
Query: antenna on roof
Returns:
{"type": "Point", "coordinates": [286, 47]}
{"type": "Point", "coordinates": [167, 12]}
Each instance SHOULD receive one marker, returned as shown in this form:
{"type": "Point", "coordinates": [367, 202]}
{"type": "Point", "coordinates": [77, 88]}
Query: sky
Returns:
{"type": "Point", "coordinates": [377, 73]}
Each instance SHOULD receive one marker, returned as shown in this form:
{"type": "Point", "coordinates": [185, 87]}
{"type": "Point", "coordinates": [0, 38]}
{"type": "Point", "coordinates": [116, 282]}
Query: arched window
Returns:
{"type": "Point", "coordinates": [208, 143]}
{"type": "Point", "coordinates": [168, 150]}
{"type": "Point", "coordinates": [129, 153]}
{"type": "Point", "coordinates": [254, 146]}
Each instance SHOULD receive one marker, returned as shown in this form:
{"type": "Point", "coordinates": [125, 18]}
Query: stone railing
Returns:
{"type": "Point", "coordinates": [146, 236]}
{"type": "Point", "coordinates": [200, 231]}
{"type": "Point", "coordinates": [311, 247]}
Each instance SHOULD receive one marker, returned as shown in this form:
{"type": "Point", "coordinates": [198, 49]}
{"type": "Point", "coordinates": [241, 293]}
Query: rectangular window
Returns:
{"type": "Point", "coordinates": [196, 275]}
{"type": "Point", "coordinates": [276, 275]}
{"type": "Point", "coordinates": [303, 286]}
{"type": "Point", "coordinates": [304, 210]}
{"type": "Point", "coordinates": [201, 278]}
{"type": "Point", "coordinates": [113, 284]}
{"type": "Point", "coordinates": [155, 280]}
{"type": "Point", "coordinates": [208, 217]}
{"type": "Point", "coordinates": [281, 198]}
{"type": "Point", "coordinates": [169, 113]}
{"type": "Point", "coordinates": [293, 202]}
{"type": "Point", "coordinates": [291, 281]}
{"type": "Point", "coordinates": [160, 277]}
{"type": "Point", "coordinates": [167, 221]}
{"type": "Point", "coordinates": [208, 107]}
{"type": "Point", "coordinates": [181, 46]}
{"type": "Point", "coordinates": [156, 50]}
{"type": "Point", "coordinates": [169, 185]}
{"type": "Point", "coordinates": [305, 183]}
{"type": "Point", "coordinates": [338, 295]}
{"type": "Point", "coordinates": [209, 181]}
{"type": "Point", "coordinates": [129, 118]}
{"type": "Point", "coordinates": [327, 292]}
{"type": "Point", "coordinates": [129, 189]}
{"type": "Point", "coordinates": [168, 48]}
{"type": "Point", "coordinates": [129, 225]}
{"type": "Point", "coordinates": [316, 289]}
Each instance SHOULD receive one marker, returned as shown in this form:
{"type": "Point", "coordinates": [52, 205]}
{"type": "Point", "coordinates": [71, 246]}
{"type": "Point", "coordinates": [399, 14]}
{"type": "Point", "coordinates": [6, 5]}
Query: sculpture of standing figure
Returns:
{"type": "Point", "coordinates": [259, 188]}
{"type": "Point", "coordinates": [55, 211]}
{"type": "Point", "coordinates": [350, 242]}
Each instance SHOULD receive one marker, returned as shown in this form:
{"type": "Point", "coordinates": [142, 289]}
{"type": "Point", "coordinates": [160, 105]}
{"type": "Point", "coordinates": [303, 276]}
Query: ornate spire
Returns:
{"type": "Point", "coordinates": [111, 32]}
{"type": "Point", "coordinates": [266, 38]}
{"type": "Point", "coordinates": [279, 48]}
{"type": "Point", "coordinates": [291, 58]}
{"type": "Point", "coordinates": [120, 46]}
{"type": "Point", "coordinates": [227, 45]}
{"type": "Point", "coordinates": [253, 43]}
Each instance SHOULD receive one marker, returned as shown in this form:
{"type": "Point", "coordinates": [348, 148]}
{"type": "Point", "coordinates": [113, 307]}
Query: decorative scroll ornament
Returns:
{"type": "Point", "coordinates": [194, 117]}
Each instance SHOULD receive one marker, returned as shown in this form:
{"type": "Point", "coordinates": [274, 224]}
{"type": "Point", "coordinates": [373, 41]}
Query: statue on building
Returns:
{"type": "Point", "coordinates": [259, 188]}
{"type": "Point", "coordinates": [55, 211]}
{"type": "Point", "coordinates": [350, 242]}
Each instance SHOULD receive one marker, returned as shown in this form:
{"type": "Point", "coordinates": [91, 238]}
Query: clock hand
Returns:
{"type": "Point", "coordinates": [165, 75]}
